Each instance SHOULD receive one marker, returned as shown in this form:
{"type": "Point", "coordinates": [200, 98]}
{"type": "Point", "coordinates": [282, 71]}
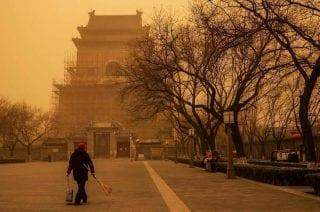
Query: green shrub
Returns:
{"type": "Point", "coordinates": [282, 176]}
{"type": "Point", "coordinates": [314, 181]}
{"type": "Point", "coordinates": [276, 175]}
{"type": "Point", "coordinates": [197, 163]}
{"type": "Point", "coordinates": [275, 163]}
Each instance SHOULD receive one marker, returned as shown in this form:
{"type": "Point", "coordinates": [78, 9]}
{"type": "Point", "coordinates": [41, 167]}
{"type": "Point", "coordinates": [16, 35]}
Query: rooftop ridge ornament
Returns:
{"type": "Point", "coordinates": [139, 12]}
{"type": "Point", "coordinates": [92, 13]}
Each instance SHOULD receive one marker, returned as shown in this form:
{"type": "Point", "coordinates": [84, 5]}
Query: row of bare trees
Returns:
{"type": "Point", "coordinates": [259, 59]}
{"type": "Point", "coordinates": [22, 123]}
{"type": "Point", "coordinates": [276, 117]}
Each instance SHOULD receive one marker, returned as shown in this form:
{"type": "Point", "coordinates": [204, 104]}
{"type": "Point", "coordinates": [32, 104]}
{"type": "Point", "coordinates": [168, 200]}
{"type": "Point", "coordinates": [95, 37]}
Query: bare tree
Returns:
{"type": "Point", "coordinates": [294, 25]}
{"type": "Point", "coordinates": [8, 120]}
{"type": "Point", "coordinates": [242, 59]}
{"type": "Point", "coordinates": [293, 87]}
{"type": "Point", "coordinates": [31, 125]}
{"type": "Point", "coordinates": [201, 69]}
{"type": "Point", "coordinates": [280, 112]}
{"type": "Point", "coordinates": [249, 128]}
{"type": "Point", "coordinates": [163, 77]}
{"type": "Point", "coordinates": [262, 131]}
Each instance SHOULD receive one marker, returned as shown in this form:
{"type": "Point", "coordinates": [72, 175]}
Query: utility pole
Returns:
{"type": "Point", "coordinates": [228, 119]}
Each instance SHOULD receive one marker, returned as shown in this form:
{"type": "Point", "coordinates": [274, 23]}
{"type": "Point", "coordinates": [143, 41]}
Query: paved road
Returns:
{"type": "Point", "coordinates": [141, 186]}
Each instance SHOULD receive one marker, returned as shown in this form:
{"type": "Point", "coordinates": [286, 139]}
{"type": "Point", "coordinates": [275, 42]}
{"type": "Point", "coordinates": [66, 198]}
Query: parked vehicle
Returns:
{"type": "Point", "coordinates": [286, 155]}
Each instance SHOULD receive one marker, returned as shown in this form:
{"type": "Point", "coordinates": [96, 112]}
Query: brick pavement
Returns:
{"type": "Point", "coordinates": [40, 186]}
{"type": "Point", "coordinates": [204, 191]}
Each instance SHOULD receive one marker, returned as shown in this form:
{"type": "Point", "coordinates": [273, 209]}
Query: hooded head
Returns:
{"type": "Point", "coordinates": [82, 146]}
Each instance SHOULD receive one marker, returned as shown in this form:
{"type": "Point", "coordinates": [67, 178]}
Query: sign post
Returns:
{"type": "Point", "coordinates": [228, 119]}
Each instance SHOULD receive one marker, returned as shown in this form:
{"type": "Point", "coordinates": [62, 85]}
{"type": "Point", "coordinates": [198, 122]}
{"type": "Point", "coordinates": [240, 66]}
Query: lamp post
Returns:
{"type": "Point", "coordinates": [174, 133]}
{"type": "Point", "coordinates": [228, 119]}
{"type": "Point", "coordinates": [191, 134]}
{"type": "Point", "coordinates": [131, 148]}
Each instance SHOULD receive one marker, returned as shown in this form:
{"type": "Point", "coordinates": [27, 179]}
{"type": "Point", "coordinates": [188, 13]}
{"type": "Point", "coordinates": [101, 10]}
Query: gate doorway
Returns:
{"type": "Point", "coordinates": [102, 145]}
{"type": "Point", "coordinates": [123, 149]}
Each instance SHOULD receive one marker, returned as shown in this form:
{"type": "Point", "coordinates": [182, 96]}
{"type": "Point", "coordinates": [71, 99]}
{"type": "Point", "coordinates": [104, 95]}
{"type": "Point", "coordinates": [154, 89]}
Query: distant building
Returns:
{"type": "Point", "coordinates": [88, 102]}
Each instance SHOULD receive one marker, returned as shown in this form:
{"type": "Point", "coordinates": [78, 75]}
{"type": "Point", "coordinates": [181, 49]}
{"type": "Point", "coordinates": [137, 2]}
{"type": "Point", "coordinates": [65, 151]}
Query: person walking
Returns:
{"type": "Point", "coordinates": [80, 163]}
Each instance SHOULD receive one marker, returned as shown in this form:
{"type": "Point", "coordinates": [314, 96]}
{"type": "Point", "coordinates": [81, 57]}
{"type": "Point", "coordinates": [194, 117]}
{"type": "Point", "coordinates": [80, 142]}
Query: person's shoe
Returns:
{"type": "Point", "coordinates": [77, 203]}
{"type": "Point", "coordinates": [85, 202]}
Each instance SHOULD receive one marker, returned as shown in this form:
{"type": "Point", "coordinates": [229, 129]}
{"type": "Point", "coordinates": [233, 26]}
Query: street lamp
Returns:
{"type": "Point", "coordinates": [191, 134]}
{"type": "Point", "coordinates": [175, 140]}
{"type": "Point", "coordinates": [131, 147]}
{"type": "Point", "coordinates": [228, 119]}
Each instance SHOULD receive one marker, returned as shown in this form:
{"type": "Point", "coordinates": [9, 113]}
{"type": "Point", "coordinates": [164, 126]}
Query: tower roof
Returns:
{"type": "Point", "coordinates": [111, 22]}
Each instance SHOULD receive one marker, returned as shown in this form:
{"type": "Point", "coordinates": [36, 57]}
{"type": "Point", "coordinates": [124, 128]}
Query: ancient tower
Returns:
{"type": "Point", "coordinates": [90, 93]}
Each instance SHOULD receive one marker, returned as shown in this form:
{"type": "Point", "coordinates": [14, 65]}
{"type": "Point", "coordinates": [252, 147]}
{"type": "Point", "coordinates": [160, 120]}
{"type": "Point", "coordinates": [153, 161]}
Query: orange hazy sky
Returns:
{"type": "Point", "coordinates": [36, 35]}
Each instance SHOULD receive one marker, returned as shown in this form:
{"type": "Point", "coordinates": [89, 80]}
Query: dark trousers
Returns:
{"type": "Point", "coordinates": [81, 194]}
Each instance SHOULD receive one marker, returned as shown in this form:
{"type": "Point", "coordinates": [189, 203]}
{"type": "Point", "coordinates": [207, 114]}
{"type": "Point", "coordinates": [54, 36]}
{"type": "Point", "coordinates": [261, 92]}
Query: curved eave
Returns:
{"type": "Point", "coordinates": [81, 30]}
{"type": "Point", "coordinates": [59, 86]}
{"type": "Point", "coordinates": [78, 42]}
{"type": "Point", "coordinates": [84, 31]}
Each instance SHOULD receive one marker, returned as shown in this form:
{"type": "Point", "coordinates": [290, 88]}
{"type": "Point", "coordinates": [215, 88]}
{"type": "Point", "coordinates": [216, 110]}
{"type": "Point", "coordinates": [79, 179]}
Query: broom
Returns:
{"type": "Point", "coordinates": [106, 190]}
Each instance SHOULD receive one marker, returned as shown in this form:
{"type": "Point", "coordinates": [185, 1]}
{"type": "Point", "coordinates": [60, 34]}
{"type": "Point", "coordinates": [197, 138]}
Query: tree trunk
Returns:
{"type": "Point", "coordinates": [185, 149]}
{"type": "Point", "coordinates": [279, 144]}
{"type": "Point", "coordinates": [212, 144]}
{"type": "Point", "coordinates": [237, 139]}
{"type": "Point", "coordinates": [189, 146]}
{"type": "Point", "coordinates": [11, 152]}
{"type": "Point", "coordinates": [29, 159]}
{"type": "Point", "coordinates": [306, 127]}
{"type": "Point", "coordinates": [178, 149]}
{"type": "Point", "coordinates": [11, 149]}
{"type": "Point", "coordinates": [212, 141]}
{"type": "Point", "coordinates": [263, 150]}
{"type": "Point", "coordinates": [203, 145]}
{"type": "Point", "coordinates": [198, 145]}
{"type": "Point", "coordinates": [251, 148]}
